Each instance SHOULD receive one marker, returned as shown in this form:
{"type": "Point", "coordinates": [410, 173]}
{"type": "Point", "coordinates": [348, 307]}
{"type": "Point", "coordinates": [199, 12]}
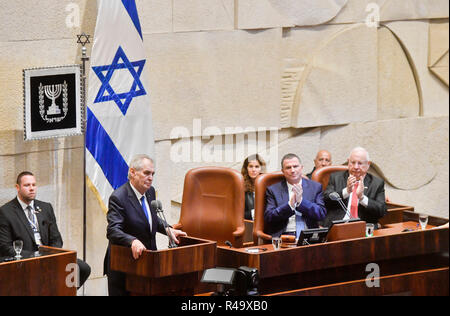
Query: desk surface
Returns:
{"type": "Point", "coordinates": [387, 230]}
{"type": "Point", "coordinates": [388, 243]}
{"type": "Point", "coordinates": [29, 255]}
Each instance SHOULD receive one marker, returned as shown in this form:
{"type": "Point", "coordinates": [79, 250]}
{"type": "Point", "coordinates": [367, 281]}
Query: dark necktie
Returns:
{"type": "Point", "coordinates": [30, 217]}
{"type": "Point", "coordinates": [144, 207]}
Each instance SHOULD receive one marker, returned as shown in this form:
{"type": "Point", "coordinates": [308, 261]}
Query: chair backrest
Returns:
{"type": "Point", "coordinates": [213, 205]}
{"type": "Point", "coordinates": [322, 175]}
{"type": "Point", "coordinates": [261, 183]}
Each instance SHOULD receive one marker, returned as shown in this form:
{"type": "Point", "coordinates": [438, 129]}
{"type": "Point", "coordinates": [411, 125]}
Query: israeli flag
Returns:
{"type": "Point", "coordinates": [119, 119]}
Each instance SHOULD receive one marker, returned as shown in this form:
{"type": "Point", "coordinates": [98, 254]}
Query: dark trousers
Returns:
{"type": "Point", "coordinates": [84, 272]}
{"type": "Point", "coordinates": [116, 284]}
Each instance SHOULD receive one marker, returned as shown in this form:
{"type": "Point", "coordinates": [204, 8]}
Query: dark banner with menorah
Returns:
{"type": "Point", "coordinates": [52, 102]}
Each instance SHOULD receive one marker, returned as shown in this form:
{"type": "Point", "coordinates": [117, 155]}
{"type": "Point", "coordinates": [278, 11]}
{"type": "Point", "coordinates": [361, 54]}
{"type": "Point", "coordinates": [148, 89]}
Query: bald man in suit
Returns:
{"type": "Point", "coordinates": [370, 193]}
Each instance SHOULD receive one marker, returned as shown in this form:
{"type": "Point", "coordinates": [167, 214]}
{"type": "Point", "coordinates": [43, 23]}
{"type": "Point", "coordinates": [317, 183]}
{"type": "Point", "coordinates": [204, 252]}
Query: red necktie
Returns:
{"type": "Point", "coordinates": [354, 205]}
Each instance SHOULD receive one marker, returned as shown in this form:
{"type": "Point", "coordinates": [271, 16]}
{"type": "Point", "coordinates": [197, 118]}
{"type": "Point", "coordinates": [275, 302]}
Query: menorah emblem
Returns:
{"type": "Point", "coordinates": [53, 92]}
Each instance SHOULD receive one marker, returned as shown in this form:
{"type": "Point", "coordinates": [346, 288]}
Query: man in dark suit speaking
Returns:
{"type": "Point", "coordinates": [32, 221]}
{"type": "Point", "coordinates": [131, 221]}
{"type": "Point", "coordinates": [294, 204]}
{"type": "Point", "coordinates": [361, 192]}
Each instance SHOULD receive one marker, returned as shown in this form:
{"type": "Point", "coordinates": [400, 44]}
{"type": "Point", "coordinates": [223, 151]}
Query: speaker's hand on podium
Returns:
{"type": "Point", "coordinates": [175, 233]}
{"type": "Point", "coordinates": [137, 248]}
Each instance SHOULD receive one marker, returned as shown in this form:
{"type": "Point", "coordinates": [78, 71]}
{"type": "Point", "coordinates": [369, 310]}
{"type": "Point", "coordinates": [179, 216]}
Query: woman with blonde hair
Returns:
{"type": "Point", "coordinates": [253, 166]}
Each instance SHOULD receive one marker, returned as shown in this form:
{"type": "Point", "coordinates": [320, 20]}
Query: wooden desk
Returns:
{"type": "Point", "coordinates": [403, 256]}
{"type": "Point", "coordinates": [43, 275]}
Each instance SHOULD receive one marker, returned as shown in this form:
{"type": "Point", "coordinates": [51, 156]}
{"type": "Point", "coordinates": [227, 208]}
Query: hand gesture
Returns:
{"type": "Point", "coordinates": [175, 233]}
{"type": "Point", "coordinates": [351, 183]}
{"type": "Point", "coordinates": [297, 196]}
{"type": "Point", "coordinates": [137, 247]}
{"type": "Point", "coordinates": [360, 189]}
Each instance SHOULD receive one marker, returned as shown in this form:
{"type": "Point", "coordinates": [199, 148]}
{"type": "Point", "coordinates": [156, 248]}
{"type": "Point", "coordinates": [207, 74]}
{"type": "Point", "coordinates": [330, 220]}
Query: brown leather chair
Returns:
{"type": "Point", "coordinates": [261, 183]}
{"type": "Point", "coordinates": [322, 175]}
{"type": "Point", "coordinates": [213, 205]}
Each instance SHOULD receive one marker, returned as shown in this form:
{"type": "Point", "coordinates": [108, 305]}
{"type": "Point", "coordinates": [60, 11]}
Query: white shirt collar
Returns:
{"type": "Point", "coordinates": [290, 185]}
{"type": "Point", "coordinates": [24, 205]}
{"type": "Point", "coordinates": [138, 194]}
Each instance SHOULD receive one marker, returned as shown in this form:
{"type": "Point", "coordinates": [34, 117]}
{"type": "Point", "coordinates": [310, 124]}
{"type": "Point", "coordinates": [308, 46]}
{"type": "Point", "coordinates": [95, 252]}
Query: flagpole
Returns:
{"type": "Point", "coordinates": [83, 39]}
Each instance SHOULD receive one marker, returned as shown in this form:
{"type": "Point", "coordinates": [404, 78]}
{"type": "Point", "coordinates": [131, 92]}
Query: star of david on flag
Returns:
{"type": "Point", "coordinates": [118, 110]}
{"type": "Point", "coordinates": [137, 89]}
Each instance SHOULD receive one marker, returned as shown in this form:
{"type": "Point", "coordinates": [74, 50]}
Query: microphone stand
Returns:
{"type": "Point", "coordinates": [341, 203]}
{"type": "Point", "coordinates": [162, 217]}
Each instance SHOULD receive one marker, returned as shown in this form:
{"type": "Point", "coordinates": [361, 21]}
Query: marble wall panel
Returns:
{"type": "Point", "coordinates": [398, 93]}
{"type": "Point", "coordinates": [414, 36]}
{"type": "Point", "coordinates": [337, 77]}
{"type": "Point", "coordinates": [223, 78]}
{"type": "Point", "coordinates": [203, 15]}
{"type": "Point", "coordinates": [255, 14]}
{"type": "Point", "coordinates": [438, 49]}
{"type": "Point", "coordinates": [357, 11]}
{"type": "Point", "coordinates": [156, 16]}
{"type": "Point", "coordinates": [24, 20]}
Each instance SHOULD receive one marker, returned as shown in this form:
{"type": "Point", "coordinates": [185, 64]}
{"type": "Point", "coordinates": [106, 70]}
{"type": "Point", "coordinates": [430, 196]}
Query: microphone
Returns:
{"type": "Point", "coordinates": [336, 197]}
{"type": "Point", "coordinates": [156, 206]}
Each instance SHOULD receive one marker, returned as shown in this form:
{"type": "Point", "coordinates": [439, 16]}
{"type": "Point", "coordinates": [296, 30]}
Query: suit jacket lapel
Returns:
{"type": "Point", "coordinates": [41, 219]}
{"type": "Point", "coordinates": [367, 183]}
{"type": "Point", "coordinates": [21, 215]}
{"type": "Point", "coordinates": [284, 192]}
{"type": "Point", "coordinates": [305, 187]}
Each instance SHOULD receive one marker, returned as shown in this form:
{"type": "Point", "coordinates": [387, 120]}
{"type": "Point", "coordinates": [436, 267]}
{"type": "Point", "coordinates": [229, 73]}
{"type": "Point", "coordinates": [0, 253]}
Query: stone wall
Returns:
{"type": "Point", "coordinates": [231, 77]}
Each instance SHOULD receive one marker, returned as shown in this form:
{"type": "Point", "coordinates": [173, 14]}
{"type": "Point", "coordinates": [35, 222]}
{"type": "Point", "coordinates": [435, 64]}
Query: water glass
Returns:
{"type": "Point", "coordinates": [276, 242]}
{"type": "Point", "coordinates": [18, 244]}
{"type": "Point", "coordinates": [369, 229]}
{"type": "Point", "coordinates": [423, 220]}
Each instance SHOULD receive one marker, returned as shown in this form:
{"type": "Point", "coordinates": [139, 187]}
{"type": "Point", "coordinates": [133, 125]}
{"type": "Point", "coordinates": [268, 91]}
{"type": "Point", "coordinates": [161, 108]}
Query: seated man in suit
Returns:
{"type": "Point", "coordinates": [32, 221]}
{"type": "Point", "coordinates": [362, 192]}
{"type": "Point", "coordinates": [293, 204]}
{"type": "Point", "coordinates": [323, 159]}
{"type": "Point", "coordinates": [131, 221]}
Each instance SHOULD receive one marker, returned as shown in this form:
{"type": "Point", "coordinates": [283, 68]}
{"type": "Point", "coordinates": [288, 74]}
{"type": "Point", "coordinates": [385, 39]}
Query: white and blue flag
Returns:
{"type": "Point", "coordinates": [119, 120]}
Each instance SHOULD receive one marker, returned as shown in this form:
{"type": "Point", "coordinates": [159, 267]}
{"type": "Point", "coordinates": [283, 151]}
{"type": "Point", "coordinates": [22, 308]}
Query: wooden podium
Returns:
{"type": "Point", "coordinates": [41, 275]}
{"type": "Point", "coordinates": [165, 272]}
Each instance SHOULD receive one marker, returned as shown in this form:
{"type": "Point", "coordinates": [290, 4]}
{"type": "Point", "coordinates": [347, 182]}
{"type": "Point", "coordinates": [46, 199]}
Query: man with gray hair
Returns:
{"type": "Point", "coordinates": [362, 193]}
{"type": "Point", "coordinates": [131, 221]}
